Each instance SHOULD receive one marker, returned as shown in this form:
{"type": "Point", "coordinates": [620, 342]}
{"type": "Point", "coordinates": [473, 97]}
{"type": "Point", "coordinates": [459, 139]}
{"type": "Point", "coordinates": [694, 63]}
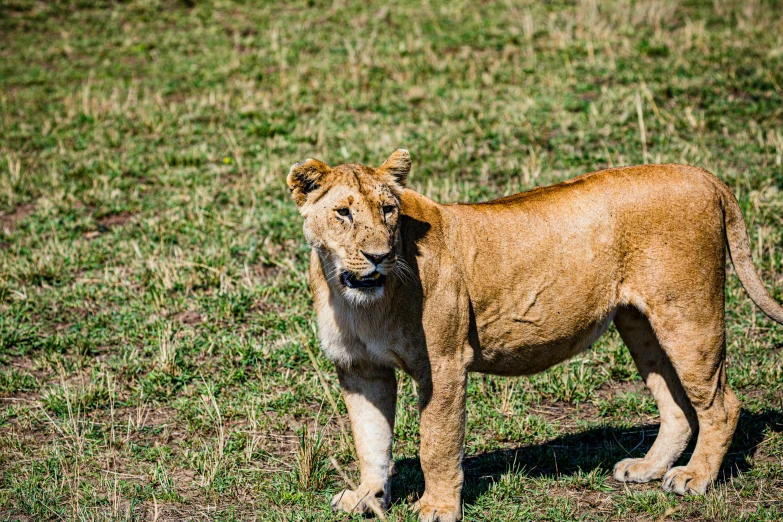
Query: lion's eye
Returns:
{"type": "Point", "coordinates": [388, 209]}
{"type": "Point", "coordinates": [343, 212]}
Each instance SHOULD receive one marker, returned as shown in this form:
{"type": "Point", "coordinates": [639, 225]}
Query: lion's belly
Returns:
{"type": "Point", "coordinates": [510, 348]}
{"type": "Point", "coordinates": [539, 303]}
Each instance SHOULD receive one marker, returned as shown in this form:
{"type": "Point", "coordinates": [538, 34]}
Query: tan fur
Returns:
{"type": "Point", "coordinates": [514, 286]}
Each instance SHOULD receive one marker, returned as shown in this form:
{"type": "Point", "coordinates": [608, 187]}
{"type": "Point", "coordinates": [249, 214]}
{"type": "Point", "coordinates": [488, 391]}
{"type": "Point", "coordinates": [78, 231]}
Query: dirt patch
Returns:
{"type": "Point", "coordinates": [24, 364]}
{"type": "Point", "coordinates": [107, 222]}
{"type": "Point", "coordinates": [77, 313]}
{"type": "Point", "coordinates": [189, 317]}
{"type": "Point", "coordinates": [266, 271]}
{"type": "Point", "coordinates": [610, 389]}
{"type": "Point", "coordinates": [9, 220]}
{"type": "Point", "coordinates": [263, 307]}
{"type": "Point", "coordinates": [115, 220]}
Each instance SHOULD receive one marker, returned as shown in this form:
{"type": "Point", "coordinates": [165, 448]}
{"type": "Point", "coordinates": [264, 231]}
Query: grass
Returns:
{"type": "Point", "coordinates": [155, 320]}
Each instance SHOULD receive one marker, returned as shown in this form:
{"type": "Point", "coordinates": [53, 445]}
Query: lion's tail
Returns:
{"type": "Point", "coordinates": [741, 258]}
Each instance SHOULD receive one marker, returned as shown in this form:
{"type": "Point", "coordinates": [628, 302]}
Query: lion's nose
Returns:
{"type": "Point", "coordinates": [376, 259]}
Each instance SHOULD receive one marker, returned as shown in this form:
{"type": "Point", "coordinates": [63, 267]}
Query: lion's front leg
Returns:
{"type": "Point", "coordinates": [371, 397]}
{"type": "Point", "coordinates": [442, 437]}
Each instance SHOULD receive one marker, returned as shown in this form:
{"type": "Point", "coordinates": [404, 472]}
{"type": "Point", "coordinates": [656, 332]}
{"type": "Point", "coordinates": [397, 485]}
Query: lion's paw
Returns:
{"type": "Point", "coordinates": [683, 481]}
{"type": "Point", "coordinates": [434, 512]}
{"type": "Point", "coordinates": [637, 470]}
{"type": "Point", "coordinates": [359, 501]}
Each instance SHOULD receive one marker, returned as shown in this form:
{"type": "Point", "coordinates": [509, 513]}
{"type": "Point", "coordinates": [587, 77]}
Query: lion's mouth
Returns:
{"type": "Point", "coordinates": [373, 280]}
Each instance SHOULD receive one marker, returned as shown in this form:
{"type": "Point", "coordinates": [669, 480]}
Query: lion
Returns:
{"type": "Point", "coordinates": [514, 286]}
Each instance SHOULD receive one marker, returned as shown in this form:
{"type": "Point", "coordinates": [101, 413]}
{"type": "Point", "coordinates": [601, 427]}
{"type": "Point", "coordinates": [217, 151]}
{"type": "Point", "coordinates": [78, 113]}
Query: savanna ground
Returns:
{"type": "Point", "coordinates": [158, 358]}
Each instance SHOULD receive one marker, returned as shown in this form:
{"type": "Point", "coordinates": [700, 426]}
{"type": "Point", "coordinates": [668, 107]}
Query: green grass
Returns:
{"type": "Point", "coordinates": [154, 311]}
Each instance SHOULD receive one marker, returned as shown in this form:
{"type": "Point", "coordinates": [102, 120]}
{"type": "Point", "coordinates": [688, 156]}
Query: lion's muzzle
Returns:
{"type": "Point", "coordinates": [374, 280]}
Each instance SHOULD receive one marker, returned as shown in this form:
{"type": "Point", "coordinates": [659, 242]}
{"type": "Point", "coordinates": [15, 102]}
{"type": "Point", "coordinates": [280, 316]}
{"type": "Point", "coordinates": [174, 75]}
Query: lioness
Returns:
{"type": "Point", "coordinates": [512, 287]}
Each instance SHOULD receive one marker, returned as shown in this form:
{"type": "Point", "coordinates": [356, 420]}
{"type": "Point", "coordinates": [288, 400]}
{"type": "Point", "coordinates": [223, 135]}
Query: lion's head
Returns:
{"type": "Point", "coordinates": [351, 219]}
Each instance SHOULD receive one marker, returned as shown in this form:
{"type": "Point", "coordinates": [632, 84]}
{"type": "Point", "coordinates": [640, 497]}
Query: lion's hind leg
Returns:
{"type": "Point", "coordinates": [693, 338]}
{"type": "Point", "coordinates": [678, 419]}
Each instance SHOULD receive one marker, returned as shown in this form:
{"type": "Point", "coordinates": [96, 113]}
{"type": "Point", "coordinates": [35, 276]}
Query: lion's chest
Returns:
{"type": "Point", "coordinates": [350, 337]}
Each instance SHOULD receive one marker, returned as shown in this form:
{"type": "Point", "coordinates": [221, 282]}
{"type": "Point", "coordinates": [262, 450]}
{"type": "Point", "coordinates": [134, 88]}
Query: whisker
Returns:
{"type": "Point", "coordinates": [405, 267]}
{"type": "Point", "coordinates": [404, 271]}
{"type": "Point", "coordinates": [333, 275]}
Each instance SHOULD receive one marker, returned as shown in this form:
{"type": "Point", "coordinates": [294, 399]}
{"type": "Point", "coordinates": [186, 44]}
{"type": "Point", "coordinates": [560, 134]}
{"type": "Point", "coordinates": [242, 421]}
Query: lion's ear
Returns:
{"type": "Point", "coordinates": [304, 177]}
{"type": "Point", "coordinates": [398, 165]}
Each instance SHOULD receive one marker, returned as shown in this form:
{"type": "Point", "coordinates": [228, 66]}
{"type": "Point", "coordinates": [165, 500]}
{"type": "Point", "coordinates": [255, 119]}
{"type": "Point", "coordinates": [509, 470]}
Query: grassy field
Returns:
{"type": "Point", "coordinates": [158, 355]}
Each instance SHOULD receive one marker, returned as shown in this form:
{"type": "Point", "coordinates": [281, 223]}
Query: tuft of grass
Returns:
{"type": "Point", "coordinates": [311, 471]}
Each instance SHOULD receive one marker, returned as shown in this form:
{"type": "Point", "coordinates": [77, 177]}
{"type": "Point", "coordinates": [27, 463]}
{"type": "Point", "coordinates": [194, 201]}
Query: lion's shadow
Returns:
{"type": "Point", "coordinates": [596, 448]}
